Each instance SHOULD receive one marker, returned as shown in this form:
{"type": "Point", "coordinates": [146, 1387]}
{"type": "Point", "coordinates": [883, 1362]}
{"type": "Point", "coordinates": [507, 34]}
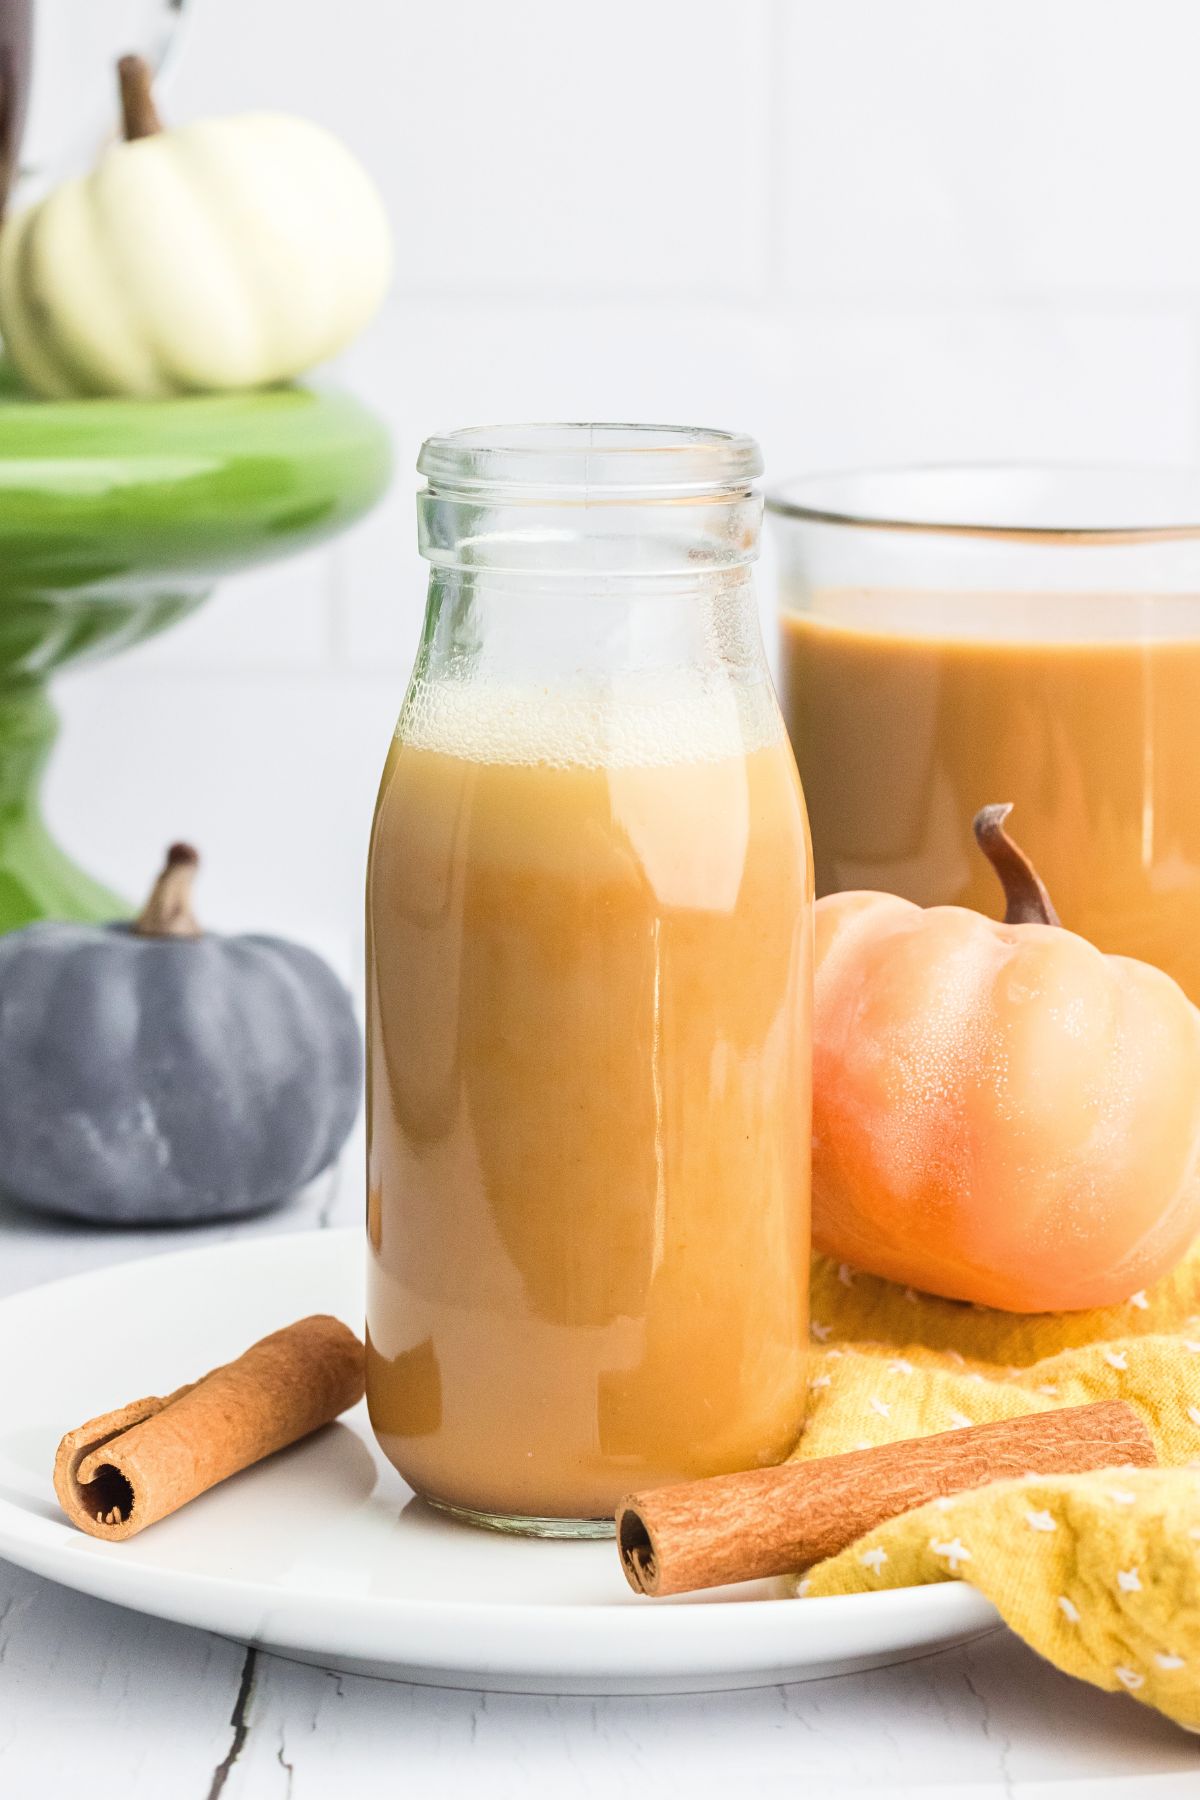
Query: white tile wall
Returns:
{"type": "Point", "coordinates": [270, 619]}
{"type": "Point", "coordinates": [933, 147]}
{"type": "Point", "coordinates": [529, 144]}
{"type": "Point", "coordinates": [869, 230]}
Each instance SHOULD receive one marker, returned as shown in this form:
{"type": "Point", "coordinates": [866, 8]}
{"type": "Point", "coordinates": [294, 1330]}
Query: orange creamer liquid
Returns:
{"type": "Point", "coordinates": [902, 736]}
{"type": "Point", "coordinates": [589, 1090]}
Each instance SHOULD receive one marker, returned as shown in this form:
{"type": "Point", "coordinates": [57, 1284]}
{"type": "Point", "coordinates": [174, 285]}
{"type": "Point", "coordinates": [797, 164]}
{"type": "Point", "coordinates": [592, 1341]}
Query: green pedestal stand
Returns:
{"type": "Point", "coordinates": [116, 519]}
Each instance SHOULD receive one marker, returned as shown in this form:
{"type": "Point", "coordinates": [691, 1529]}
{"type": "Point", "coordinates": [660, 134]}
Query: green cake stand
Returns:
{"type": "Point", "coordinates": [117, 517]}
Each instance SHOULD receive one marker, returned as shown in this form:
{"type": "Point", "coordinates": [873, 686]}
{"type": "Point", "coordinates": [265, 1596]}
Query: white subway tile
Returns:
{"type": "Point", "coordinates": [379, 592]}
{"type": "Point", "coordinates": [1005, 146]}
{"type": "Point", "coordinates": [530, 145]}
{"type": "Point", "coordinates": [275, 617]}
{"type": "Point", "coordinates": [274, 780]}
{"type": "Point", "coordinates": [1027, 384]}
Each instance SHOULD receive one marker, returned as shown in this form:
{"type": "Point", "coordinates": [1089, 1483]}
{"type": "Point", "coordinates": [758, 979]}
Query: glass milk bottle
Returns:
{"type": "Point", "coordinates": [589, 972]}
{"type": "Point", "coordinates": [956, 636]}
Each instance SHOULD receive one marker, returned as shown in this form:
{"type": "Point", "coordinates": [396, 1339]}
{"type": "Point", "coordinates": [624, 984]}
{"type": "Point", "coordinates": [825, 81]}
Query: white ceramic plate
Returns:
{"type": "Point", "coordinates": [323, 1554]}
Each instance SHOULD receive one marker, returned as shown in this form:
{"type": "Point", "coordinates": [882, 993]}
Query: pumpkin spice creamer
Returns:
{"type": "Point", "coordinates": [589, 919]}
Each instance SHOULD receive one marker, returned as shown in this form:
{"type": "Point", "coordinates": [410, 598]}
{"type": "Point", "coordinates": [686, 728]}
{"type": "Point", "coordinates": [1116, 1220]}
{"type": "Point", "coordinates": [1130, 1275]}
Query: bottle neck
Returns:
{"type": "Point", "coordinates": [590, 596]}
{"type": "Point", "coordinates": [598, 535]}
{"type": "Point", "coordinates": [606, 673]}
{"type": "Point", "coordinates": [587, 630]}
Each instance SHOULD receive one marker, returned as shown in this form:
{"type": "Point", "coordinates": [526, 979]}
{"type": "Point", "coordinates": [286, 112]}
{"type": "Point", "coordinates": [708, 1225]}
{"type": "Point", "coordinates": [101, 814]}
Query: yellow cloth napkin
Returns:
{"type": "Point", "coordinates": [1100, 1572]}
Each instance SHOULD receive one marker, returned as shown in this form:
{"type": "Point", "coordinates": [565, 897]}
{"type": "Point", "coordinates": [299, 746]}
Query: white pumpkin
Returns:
{"type": "Point", "coordinates": [226, 254]}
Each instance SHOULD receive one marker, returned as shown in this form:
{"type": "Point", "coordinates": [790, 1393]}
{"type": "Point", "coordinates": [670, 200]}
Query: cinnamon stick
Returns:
{"type": "Point", "coordinates": [780, 1521]}
{"type": "Point", "coordinates": [127, 1469]}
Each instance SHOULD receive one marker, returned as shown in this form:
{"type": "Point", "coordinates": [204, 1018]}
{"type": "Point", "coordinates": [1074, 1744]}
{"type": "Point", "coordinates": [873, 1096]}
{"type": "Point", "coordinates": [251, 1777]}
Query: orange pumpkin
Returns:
{"type": "Point", "coordinates": [1001, 1113]}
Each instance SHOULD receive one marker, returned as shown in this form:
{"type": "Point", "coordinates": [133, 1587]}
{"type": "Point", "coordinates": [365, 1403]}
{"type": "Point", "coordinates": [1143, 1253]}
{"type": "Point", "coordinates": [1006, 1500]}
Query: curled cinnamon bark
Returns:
{"type": "Point", "coordinates": [126, 1469]}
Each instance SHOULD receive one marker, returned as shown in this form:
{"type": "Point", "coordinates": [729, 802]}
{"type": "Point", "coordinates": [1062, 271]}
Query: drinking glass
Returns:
{"type": "Point", "coordinates": [957, 636]}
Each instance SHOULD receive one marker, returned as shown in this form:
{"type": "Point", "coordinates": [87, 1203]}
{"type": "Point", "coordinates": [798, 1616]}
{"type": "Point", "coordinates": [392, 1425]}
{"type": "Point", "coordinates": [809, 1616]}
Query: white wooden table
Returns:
{"type": "Point", "coordinates": [107, 1705]}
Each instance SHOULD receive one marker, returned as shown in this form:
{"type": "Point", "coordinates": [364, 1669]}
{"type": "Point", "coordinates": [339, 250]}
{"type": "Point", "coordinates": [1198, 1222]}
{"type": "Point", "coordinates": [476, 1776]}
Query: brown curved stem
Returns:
{"type": "Point", "coordinates": [139, 115]}
{"type": "Point", "coordinates": [168, 911]}
{"type": "Point", "coordinates": [1027, 902]}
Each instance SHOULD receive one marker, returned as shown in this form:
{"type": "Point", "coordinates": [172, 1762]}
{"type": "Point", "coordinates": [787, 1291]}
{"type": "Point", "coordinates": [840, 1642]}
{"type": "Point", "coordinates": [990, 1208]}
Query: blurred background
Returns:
{"type": "Point", "coordinates": [877, 230]}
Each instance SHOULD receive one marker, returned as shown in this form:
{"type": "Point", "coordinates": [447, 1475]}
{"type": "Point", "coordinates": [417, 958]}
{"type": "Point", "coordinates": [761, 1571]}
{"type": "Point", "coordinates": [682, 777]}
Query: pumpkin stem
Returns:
{"type": "Point", "coordinates": [139, 115]}
{"type": "Point", "coordinates": [1028, 903]}
{"type": "Point", "coordinates": [168, 911]}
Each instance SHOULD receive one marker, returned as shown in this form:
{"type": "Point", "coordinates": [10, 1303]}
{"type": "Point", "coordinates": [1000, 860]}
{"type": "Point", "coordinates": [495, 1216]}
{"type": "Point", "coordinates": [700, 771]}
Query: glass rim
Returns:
{"type": "Point", "coordinates": [822, 497]}
{"type": "Point", "coordinates": [571, 460]}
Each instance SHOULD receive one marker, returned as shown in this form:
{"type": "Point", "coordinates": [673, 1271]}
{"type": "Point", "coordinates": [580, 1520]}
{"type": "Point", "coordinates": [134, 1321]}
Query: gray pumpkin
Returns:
{"type": "Point", "coordinates": [152, 1073]}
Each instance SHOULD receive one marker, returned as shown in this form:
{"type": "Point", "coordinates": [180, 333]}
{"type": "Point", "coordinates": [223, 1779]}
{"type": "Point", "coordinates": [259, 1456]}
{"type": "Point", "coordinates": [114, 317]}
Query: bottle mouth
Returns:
{"type": "Point", "coordinates": [542, 464]}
